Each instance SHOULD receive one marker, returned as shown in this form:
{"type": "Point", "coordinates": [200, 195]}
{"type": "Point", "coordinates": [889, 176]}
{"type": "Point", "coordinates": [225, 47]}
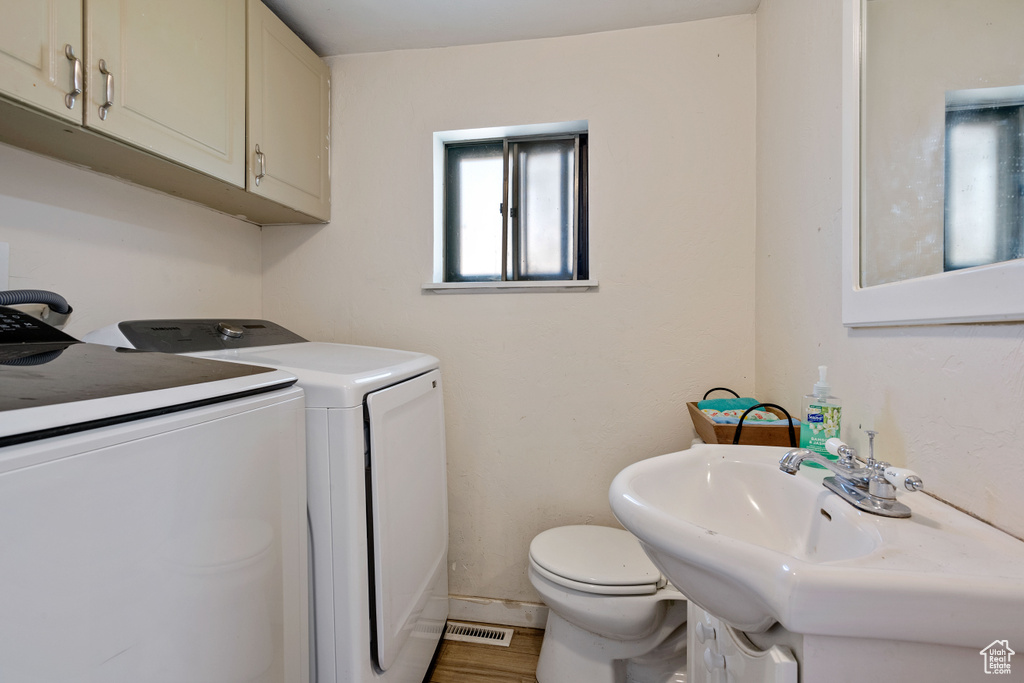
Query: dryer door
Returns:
{"type": "Point", "coordinates": [407, 489]}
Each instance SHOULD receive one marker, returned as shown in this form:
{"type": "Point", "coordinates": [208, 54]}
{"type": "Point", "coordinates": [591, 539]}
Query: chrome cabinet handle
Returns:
{"type": "Point", "coordinates": [76, 77]}
{"type": "Point", "coordinates": [261, 164]}
{"type": "Point", "coordinates": [109, 78]}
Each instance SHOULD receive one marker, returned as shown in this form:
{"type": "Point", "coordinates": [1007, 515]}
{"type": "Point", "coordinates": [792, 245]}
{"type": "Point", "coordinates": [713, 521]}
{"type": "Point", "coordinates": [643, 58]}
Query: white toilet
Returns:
{"type": "Point", "coordinates": [612, 616]}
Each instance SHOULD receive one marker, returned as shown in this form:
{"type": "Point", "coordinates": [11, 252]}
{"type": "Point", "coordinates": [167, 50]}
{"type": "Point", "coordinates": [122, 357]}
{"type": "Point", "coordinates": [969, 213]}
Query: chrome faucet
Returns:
{"type": "Point", "coordinates": [870, 486]}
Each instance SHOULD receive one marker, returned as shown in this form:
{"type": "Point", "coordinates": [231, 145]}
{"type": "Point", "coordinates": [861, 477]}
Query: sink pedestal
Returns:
{"type": "Point", "coordinates": [715, 653]}
{"type": "Point", "coordinates": [828, 659]}
{"type": "Point", "coordinates": [781, 656]}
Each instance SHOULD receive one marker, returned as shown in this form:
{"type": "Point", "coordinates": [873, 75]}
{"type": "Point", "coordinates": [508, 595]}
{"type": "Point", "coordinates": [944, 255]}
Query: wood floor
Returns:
{"type": "Point", "coordinates": [474, 663]}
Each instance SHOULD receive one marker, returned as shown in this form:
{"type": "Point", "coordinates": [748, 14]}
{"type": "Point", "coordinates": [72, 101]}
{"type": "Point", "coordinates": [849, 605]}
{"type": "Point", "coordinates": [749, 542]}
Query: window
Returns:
{"type": "Point", "coordinates": [515, 208]}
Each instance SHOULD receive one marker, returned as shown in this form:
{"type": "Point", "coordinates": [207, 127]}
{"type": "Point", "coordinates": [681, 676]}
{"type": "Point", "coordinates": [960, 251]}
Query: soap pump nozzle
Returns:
{"type": "Point", "coordinates": [822, 388]}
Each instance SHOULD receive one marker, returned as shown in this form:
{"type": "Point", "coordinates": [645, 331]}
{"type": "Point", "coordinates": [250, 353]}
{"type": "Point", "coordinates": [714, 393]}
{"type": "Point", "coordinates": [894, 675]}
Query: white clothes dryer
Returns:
{"type": "Point", "coordinates": [376, 485]}
{"type": "Point", "coordinates": [152, 515]}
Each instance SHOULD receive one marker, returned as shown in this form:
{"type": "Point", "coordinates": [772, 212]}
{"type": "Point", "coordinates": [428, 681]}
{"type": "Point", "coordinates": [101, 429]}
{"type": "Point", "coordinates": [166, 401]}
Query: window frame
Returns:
{"type": "Point", "coordinates": [578, 131]}
{"type": "Point", "coordinates": [512, 243]}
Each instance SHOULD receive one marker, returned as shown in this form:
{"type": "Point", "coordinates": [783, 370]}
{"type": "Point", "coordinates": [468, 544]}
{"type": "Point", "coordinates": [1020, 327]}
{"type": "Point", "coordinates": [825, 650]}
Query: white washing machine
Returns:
{"type": "Point", "coordinates": [376, 485]}
{"type": "Point", "coordinates": [152, 516]}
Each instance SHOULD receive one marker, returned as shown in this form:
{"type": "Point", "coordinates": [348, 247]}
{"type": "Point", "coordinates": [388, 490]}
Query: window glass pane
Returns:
{"type": "Point", "coordinates": [546, 172]}
{"type": "Point", "coordinates": [473, 230]}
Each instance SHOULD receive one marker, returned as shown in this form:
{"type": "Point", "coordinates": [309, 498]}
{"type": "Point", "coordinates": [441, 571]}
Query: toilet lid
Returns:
{"type": "Point", "coordinates": [595, 555]}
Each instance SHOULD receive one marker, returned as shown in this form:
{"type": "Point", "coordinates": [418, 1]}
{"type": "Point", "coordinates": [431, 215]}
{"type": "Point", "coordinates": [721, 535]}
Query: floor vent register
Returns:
{"type": "Point", "coordinates": [474, 633]}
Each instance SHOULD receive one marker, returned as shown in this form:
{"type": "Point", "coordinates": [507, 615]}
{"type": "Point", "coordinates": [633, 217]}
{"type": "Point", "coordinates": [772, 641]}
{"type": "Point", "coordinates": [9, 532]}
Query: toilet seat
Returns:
{"type": "Point", "coordinates": [595, 559]}
{"type": "Point", "coordinates": [593, 588]}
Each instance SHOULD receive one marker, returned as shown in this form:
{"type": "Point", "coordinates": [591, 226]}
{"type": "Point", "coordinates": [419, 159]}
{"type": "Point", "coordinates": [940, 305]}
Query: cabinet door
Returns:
{"type": "Point", "coordinates": [289, 110]}
{"type": "Point", "coordinates": [169, 77]}
{"type": "Point", "coordinates": [34, 68]}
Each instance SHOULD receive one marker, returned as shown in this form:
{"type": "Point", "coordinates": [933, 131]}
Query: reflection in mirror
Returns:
{"type": "Point", "coordinates": [984, 190]}
{"type": "Point", "coordinates": [942, 133]}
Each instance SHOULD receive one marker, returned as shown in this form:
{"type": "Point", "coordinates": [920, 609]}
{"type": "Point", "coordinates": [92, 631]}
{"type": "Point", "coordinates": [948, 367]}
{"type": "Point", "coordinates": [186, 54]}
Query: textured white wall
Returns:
{"type": "Point", "coordinates": [116, 251]}
{"type": "Point", "coordinates": [947, 400]}
{"type": "Point", "coordinates": [547, 395]}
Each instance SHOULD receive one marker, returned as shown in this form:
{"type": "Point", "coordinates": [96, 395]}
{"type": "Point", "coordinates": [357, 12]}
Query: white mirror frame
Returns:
{"type": "Point", "coordinates": [991, 293]}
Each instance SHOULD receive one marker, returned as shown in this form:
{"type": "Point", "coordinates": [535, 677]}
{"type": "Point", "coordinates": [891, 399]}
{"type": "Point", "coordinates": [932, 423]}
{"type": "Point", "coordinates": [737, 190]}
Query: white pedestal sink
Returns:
{"type": "Point", "coordinates": [757, 547]}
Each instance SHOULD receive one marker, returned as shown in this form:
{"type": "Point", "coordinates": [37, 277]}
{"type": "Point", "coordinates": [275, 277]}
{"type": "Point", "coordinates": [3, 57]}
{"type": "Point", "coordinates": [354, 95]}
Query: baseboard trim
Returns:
{"type": "Point", "coordinates": [498, 612]}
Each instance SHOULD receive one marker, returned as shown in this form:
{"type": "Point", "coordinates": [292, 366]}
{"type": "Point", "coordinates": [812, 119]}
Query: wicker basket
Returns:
{"type": "Point", "coordinates": [754, 433]}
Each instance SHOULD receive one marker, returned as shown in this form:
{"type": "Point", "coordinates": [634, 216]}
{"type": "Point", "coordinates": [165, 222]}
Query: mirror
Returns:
{"type": "Point", "coordinates": [933, 161]}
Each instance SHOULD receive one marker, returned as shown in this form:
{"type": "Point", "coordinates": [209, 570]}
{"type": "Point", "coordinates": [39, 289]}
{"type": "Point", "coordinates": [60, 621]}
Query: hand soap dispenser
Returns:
{"type": "Point", "coordinates": [819, 418]}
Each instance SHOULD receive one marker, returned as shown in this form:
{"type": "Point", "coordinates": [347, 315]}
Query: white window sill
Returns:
{"type": "Point", "coordinates": [509, 287]}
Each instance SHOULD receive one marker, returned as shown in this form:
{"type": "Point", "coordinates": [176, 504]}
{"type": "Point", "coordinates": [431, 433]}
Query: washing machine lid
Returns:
{"type": "Point", "coordinates": [595, 556]}
{"type": "Point", "coordinates": [72, 387]}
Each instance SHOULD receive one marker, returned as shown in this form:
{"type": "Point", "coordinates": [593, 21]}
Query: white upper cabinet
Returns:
{"type": "Point", "coordinates": [162, 100]}
{"type": "Point", "coordinates": [40, 42]}
{"type": "Point", "coordinates": [289, 110]}
{"type": "Point", "coordinates": [169, 77]}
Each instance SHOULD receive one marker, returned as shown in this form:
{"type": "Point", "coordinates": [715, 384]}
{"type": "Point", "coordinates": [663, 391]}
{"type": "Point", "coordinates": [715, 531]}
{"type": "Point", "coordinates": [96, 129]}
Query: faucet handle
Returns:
{"type": "Point", "coordinates": [840, 449]}
{"type": "Point", "coordinates": [903, 478]}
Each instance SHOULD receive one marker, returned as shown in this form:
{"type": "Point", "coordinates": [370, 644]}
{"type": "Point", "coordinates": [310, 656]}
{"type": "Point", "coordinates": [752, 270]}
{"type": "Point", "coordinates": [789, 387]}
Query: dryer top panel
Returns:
{"type": "Point", "coordinates": [335, 375]}
{"type": "Point", "coordinates": [332, 375]}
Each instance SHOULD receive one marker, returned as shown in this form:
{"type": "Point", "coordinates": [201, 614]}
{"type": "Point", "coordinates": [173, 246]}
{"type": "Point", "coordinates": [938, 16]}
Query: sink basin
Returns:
{"type": "Point", "coordinates": [755, 546]}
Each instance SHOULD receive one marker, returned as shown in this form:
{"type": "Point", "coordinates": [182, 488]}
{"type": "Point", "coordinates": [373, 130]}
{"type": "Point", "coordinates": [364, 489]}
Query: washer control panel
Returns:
{"type": "Point", "coordinates": [210, 334]}
{"type": "Point", "coordinates": [17, 327]}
